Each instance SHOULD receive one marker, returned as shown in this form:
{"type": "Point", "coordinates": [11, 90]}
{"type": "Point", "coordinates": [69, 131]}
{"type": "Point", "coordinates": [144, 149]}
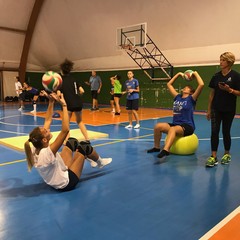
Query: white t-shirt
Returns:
{"type": "Point", "coordinates": [18, 87]}
{"type": "Point", "coordinates": [51, 168]}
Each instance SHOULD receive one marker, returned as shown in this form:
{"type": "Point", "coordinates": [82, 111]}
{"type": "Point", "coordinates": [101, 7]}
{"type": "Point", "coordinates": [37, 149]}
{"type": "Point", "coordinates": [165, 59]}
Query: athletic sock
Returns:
{"type": "Point", "coordinates": [34, 107]}
{"type": "Point", "coordinates": [98, 160]}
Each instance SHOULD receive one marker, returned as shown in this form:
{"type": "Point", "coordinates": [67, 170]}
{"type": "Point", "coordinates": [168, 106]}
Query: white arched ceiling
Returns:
{"type": "Point", "coordinates": [187, 32]}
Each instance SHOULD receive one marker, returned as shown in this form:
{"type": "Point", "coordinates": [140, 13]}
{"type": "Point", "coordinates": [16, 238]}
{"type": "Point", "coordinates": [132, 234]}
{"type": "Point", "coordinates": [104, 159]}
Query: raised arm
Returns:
{"type": "Point", "coordinates": [171, 89]}
{"type": "Point", "coordinates": [49, 113]}
{"type": "Point", "coordinates": [65, 123]}
{"type": "Point", "coordinates": [112, 79]}
{"type": "Point", "coordinates": [199, 87]}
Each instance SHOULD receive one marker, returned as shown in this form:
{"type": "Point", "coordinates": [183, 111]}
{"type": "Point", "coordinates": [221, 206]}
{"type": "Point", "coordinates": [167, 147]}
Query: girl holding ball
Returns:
{"type": "Point", "coordinates": [183, 108]}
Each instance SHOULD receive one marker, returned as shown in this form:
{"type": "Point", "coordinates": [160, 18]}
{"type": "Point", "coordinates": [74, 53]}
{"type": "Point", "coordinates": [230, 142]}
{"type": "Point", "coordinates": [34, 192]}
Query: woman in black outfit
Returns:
{"type": "Point", "coordinates": [225, 87]}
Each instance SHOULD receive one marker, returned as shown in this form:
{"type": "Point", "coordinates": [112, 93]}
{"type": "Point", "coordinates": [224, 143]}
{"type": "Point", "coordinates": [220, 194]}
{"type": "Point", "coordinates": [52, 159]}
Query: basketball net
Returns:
{"type": "Point", "coordinates": [127, 46]}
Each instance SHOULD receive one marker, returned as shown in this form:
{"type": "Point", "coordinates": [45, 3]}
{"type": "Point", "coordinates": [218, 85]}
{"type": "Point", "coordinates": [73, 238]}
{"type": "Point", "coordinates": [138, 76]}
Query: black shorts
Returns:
{"type": "Point", "coordinates": [73, 181]}
{"type": "Point", "coordinates": [74, 109]}
{"type": "Point", "coordinates": [112, 97]}
{"type": "Point", "coordinates": [187, 129]}
{"type": "Point", "coordinates": [94, 94]}
{"type": "Point", "coordinates": [118, 95]}
{"type": "Point", "coordinates": [132, 104]}
{"type": "Point", "coordinates": [26, 95]}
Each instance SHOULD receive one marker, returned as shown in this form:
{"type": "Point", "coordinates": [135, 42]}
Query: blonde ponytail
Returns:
{"type": "Point", "coordinates": [29, 155]}
{"type": "Point", "coordinates": [35, 137]}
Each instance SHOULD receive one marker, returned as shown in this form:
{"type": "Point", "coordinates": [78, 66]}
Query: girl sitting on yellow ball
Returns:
{"type": "Point", "coordinates": [183, 108]}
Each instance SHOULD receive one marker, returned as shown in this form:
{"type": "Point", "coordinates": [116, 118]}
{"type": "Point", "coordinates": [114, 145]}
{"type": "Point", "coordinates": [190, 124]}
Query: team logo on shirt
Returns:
{"type": "Point", "coordinates": [229, 80]}
{"type": "Point", "coordinates": [178, 106]}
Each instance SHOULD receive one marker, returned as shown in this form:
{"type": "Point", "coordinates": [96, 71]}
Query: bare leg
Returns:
{"type": "Point", "coordinates": [94, 103]}
{"type": "Point", "coordinates": [69, 116]}
{"type": "Point", "coordinates": [75, 163]}
{"type": "Point", "coordinates": [214, 153]}
{"type": "Point", "coordinates": [158, 130]}
{"type": "Point", "coordinates": [81, 125]}
{"type": "Point", "coordinates": [94, 155]}
{"type": "Point", "coordinates": [136, 116]}
{"type": "Point", "coordinates": [78, 164]}
{"type": "Point", "coordinates": [21, 104]}
{"type": "Point", "coordinates": [21, 98]}
{"type": "Point", "coordinates": [35, 98]}
{"type": "Point", "coordinates": [67, 156]}
{"type": "Point", "coordinates": [172, 133]}
{"type": "Point", "coordinates": [112, 105]}
{"type": "Point", "coordinates": [116, 100]}
{"type": "Point", "coordinates": [130, 116]}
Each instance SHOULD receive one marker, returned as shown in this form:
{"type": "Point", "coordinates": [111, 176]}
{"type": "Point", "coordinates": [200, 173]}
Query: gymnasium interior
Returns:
{"type": "Point", "coordinates": [137, 196]}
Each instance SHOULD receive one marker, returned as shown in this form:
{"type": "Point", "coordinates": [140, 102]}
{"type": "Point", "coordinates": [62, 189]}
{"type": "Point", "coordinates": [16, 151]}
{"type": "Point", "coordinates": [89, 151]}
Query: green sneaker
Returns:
{"type": "Point", "coordinates": [226, 159]}
{"type": "Point", "coordinates": [211, 162]}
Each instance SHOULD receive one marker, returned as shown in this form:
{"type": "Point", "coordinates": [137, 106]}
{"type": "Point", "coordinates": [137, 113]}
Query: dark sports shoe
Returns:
{"type": "Point", "coordinates": [163, 153]}
{"type": "Point", "coordinates": [153, 150]}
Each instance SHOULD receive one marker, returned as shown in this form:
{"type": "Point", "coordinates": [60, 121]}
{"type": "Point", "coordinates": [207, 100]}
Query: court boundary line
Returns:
{"type": "Point", "coordinates": [113, 141]}
{"type": "Point", "coordinates": [98, 145]}
{"type": "Point", "coordinates": [221, 224]}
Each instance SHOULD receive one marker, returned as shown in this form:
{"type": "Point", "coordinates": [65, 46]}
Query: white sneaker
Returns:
{"type": "Point", "coordinates": [33, 112]}
{"type": "Point", "coordinates": [129, 126]}
{"type": "Point", "coordinates": [92, 163]}
{"type": "Point", "coordinates": [103, 162]}
{"type": "Point", "coordinates": [137, 126]}
{"type": "Point", "coordinates": [113, 111]}
{"type": "Point", "coordinates": [20, 109]}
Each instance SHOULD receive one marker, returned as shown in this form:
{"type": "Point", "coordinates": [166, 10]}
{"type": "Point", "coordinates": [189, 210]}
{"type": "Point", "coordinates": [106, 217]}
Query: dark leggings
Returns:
{"type": "Point", "coordinates": [226, 118]}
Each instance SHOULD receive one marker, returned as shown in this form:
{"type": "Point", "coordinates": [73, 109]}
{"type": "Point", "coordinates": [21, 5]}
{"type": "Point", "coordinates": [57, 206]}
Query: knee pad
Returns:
{"type": "Point", "coordinates": [85, 148]}
{"type": "Point", "coordinates": [72, 143]}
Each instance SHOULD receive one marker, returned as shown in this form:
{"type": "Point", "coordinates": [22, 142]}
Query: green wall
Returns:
{"type": "Point", "coordinates": [152, 93]}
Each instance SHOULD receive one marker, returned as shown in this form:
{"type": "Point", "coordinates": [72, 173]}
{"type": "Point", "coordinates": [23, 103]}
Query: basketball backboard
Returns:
{"type": "Point", "coordinates": [132, 36]}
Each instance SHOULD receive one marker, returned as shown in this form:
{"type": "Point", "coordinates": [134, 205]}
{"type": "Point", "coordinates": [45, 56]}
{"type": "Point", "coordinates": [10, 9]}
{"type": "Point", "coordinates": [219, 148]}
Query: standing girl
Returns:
{"type": "Point", "coordinates": [115, 81]}
{"type": "Point", "coordinates": [132, 91]}
{"type": "Point", "coordinates": [72, 92]}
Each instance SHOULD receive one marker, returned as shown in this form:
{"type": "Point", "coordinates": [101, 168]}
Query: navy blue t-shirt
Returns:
{"type": "Point", "coordinates": [183, 109]}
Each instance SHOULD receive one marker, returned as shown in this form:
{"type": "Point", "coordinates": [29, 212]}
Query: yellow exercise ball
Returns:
{"type": "Point", "coordinates": [184, 145]}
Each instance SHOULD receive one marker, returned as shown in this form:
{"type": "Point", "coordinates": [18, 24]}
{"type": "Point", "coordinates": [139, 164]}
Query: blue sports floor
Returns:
{"type": "Point", "coordinates": [134, 198]}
